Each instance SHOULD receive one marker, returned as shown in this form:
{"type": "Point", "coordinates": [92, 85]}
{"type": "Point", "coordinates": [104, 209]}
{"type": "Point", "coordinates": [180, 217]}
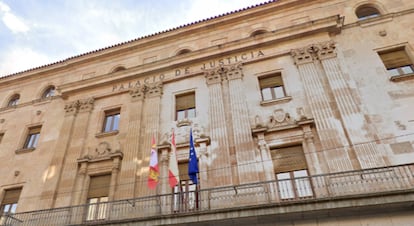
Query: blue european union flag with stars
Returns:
{"type": "Point", "coordinates": [193, 161]}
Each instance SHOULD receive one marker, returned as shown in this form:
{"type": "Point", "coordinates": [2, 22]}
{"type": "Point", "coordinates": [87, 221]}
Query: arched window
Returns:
{"type": "Point", "coordinates": [14, 100]}
{"type": "Point", "coordinates": [258, 32]}
{"type": "Point", "coordinates": [120, 68]}
{"type": "Point", "coordinates": [49, 92]}
{"type": "Point", "coordinates": [366, 11]}
{"type": "Point", "coordinates": [183, 51]}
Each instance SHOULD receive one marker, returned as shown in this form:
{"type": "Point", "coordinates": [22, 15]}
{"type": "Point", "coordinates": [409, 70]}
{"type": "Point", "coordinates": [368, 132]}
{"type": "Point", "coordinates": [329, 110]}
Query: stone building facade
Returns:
{"type": "Point", "coordinates": [301, 113]}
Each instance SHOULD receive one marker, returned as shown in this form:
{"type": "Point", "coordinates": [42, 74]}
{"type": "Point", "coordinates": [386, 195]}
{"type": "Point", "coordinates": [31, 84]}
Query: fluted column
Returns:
{"type": "Point", "coordinates": [203, 169]}
{"type": "Point", "coordinates": [149, 128]}
{"type": "Point", "coordinates": [55, 169]}
{"type": "Point", "coordinates": [116, 164]}
{"type": "Point", "coordinates": [243, 140]}
{"type": "Point", "coordinates": [354, 121]}
{"type": "Point", "coordinates": [219, 153]}
{"type": "Point", "coordinates": [75, 150]}
{"type": "Point", "coordinates": [165, 186]}
{"type": "Point", "coordinates": [131, 148]}
{"type": "Point", "coordinates": [330, 129]}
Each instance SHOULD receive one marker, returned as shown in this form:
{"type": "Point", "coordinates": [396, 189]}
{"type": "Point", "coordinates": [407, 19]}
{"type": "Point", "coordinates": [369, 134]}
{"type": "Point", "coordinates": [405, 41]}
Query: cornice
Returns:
{"type": "Point", "coordinates": [332, 24]}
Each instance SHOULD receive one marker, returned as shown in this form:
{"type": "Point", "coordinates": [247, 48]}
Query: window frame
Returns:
{"type": "Point", "coordinates": [49, 92]}
{"type": "Point", "coordinates": [404, 66]}
{"type": "Point", "coordinates": [367, 11]}
{"type": "Point", "coordinates": [14, 100]}
{"type": "Point", "coordinates": [98, 197]}
{"type": "Point", "coordinates": [10, 203]}
{"type": "Point", "coordinates": [32, 137]}
{"type": "Point", "coordinates": [111, 120]}
{"type": "Point", "coordinates": [186, 194]}
{"type": "Point", "coordinates": [273, 88]}
{"type": "Point", "coordinates": [185, 110]}
{"type": "Point", "coordinates": [294, 187]}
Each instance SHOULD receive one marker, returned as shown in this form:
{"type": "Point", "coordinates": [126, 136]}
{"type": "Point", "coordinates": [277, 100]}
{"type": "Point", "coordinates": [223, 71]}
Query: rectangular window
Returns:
{"type": "Point", "coordinates": [290, 167]}
{"type": "Point", "coordinates": [32, 138]}
{"type": "Point", "coordinates": [111, 122]}
{"type": "Point", "coordinates": [9, 203]}
{"type": "Point", "coordinates": [185, 196]}
{"type": "Point", "coordinates": [397, 61]}
{"type": "Point", "coordinates": [185, 107]}
{"type": "Point", "coordinates": [272, 87]}
{"type": "Point", "coordinates": [1, 136]}
{"type": "Point", "coordinates": [98, 197]}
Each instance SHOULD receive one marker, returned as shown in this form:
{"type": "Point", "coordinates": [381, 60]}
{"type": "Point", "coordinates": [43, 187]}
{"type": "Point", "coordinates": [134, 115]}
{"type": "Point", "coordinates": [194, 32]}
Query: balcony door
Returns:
{"type": "Point", "coordinates": [291, 173]}
{"type": "Point", "coordinates": [185, 197]}
{"type": "Point", "coordinates": [97, 203]}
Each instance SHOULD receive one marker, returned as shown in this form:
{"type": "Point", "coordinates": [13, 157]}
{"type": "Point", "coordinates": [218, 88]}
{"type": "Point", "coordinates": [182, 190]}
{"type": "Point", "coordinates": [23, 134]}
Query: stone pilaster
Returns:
{"type": "Point", "coordinates": [76, 147]}
{"type": "Point", "coordinates": [132, 142]}
{"type": "Point", "coordinates": [353, 119]}
{"type": "Point", "coordinates": [149, 128]}
{"type": "Point", "coordinates": [219, 153]}
{"type": "Point", "coordinates": [243, 141]}
{"type": "Point", "coordinates": [330, 129]}
{"type": "Point", "coordinates": [203, 156]}
{"type": "Point", "coordinates": [80, 181]}
{"type": "Point", "coordinates": [164, 184]}
{"type": "Point", "coordinates": [55, 169]}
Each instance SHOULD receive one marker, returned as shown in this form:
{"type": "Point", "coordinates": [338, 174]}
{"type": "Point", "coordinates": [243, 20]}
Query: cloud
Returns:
{"type": "Point", "coordinates": [19, 59]}
{"type": "Point", "coordinates": [12, 22]}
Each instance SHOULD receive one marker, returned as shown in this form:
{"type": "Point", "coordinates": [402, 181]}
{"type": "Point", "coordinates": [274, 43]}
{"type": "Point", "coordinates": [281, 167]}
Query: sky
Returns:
{"type": "Point", "coordinates": [39, 32]}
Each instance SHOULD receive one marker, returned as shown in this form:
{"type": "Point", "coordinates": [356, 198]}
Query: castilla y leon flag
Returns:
{"type": "Point", "coordinates": [173, 177]}
{"type": "Point", "coordinates": [153, 167]}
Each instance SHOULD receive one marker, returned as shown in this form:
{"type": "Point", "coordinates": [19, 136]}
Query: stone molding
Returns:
{"type": "Point", "coordinates": [221, 73]}
{"type": "Point", "coordinates": [83, 105]}
{"type": "Point", "coordinates": [146, 91]}
{"type": "Point", "coordinates": [103, 151]}
{"type": "Point", "coordinates": [313, 52]}
{"type": "Point", "coordinates": [280, 120]}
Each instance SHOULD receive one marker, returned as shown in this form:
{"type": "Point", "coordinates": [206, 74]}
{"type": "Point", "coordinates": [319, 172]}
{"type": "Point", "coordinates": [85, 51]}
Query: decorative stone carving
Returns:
{"type": "Point", "coordinates": [301, 114]}
{"type": "Point", "coordinates": [138, 93]}
{"type": "Point", "coordinates": [280, 118]}
{"type": "Point", "coordinates": [72, 107]}
{"type": "Point", "coordinates": [154, 89]}
{"type": "Point", "coordinates": [86, 105]}
{"type": "Point", "coordinates": [103, 151]}
{"type": "Point", "coordinates": [212, 77]}
{"type": "Point", "coordinates": [319, 51]}
{"type": "Point", "coordinates": [303, 55]}
{"type": "Point", "coordinates": [234, 72]}
{"type": "Point", "coordinates": [326, 50]}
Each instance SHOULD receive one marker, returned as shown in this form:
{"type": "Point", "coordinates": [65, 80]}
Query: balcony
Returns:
{"type": "Point", "coordinates": [386, 186]}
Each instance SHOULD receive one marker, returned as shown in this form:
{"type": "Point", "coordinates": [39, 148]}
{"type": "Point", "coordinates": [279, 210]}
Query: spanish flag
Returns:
{"type": "Point", "coordinates": [173, 177]}
{"type": "Point", "coordinates": [154, 173]}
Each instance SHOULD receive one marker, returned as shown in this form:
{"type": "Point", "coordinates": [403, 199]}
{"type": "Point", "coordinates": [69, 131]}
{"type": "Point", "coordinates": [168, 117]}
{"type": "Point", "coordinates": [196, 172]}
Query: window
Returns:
{"type": "Point", "coordinates": [272, 87]}
{"type": "Point", "coordinates": [111, 122]}
{"type": "Point", "coordinates": [185, 106]}
{"type": "Point", "coordinates": [14, 100]}
{"type": "Point", "coordinates": [9, 203]}
{"type": "Point", "coordinates": [98, 197]}
{"type": "Point", "coordinates": [185, 196]}
{"type": "Point", "coordinates": [32, 138]}
{"type": "Point", "coordinates": [289, 165]}
{"type": "Point", "coordinates": [183, 51]}
{"type": "Point", "coordinates": [397, 62]}
{"type": "Point", "coordinates": [366, 11]}
{"type": "Point", "coordinates": [1, 136]}
{"type": "Point", "coordinates": [49, 92]}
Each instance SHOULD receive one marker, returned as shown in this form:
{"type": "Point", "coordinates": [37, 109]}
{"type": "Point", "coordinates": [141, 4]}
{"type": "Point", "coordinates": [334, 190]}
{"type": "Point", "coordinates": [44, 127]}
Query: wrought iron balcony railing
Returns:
{"type": "Point", "coordinates": [341, 185]}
